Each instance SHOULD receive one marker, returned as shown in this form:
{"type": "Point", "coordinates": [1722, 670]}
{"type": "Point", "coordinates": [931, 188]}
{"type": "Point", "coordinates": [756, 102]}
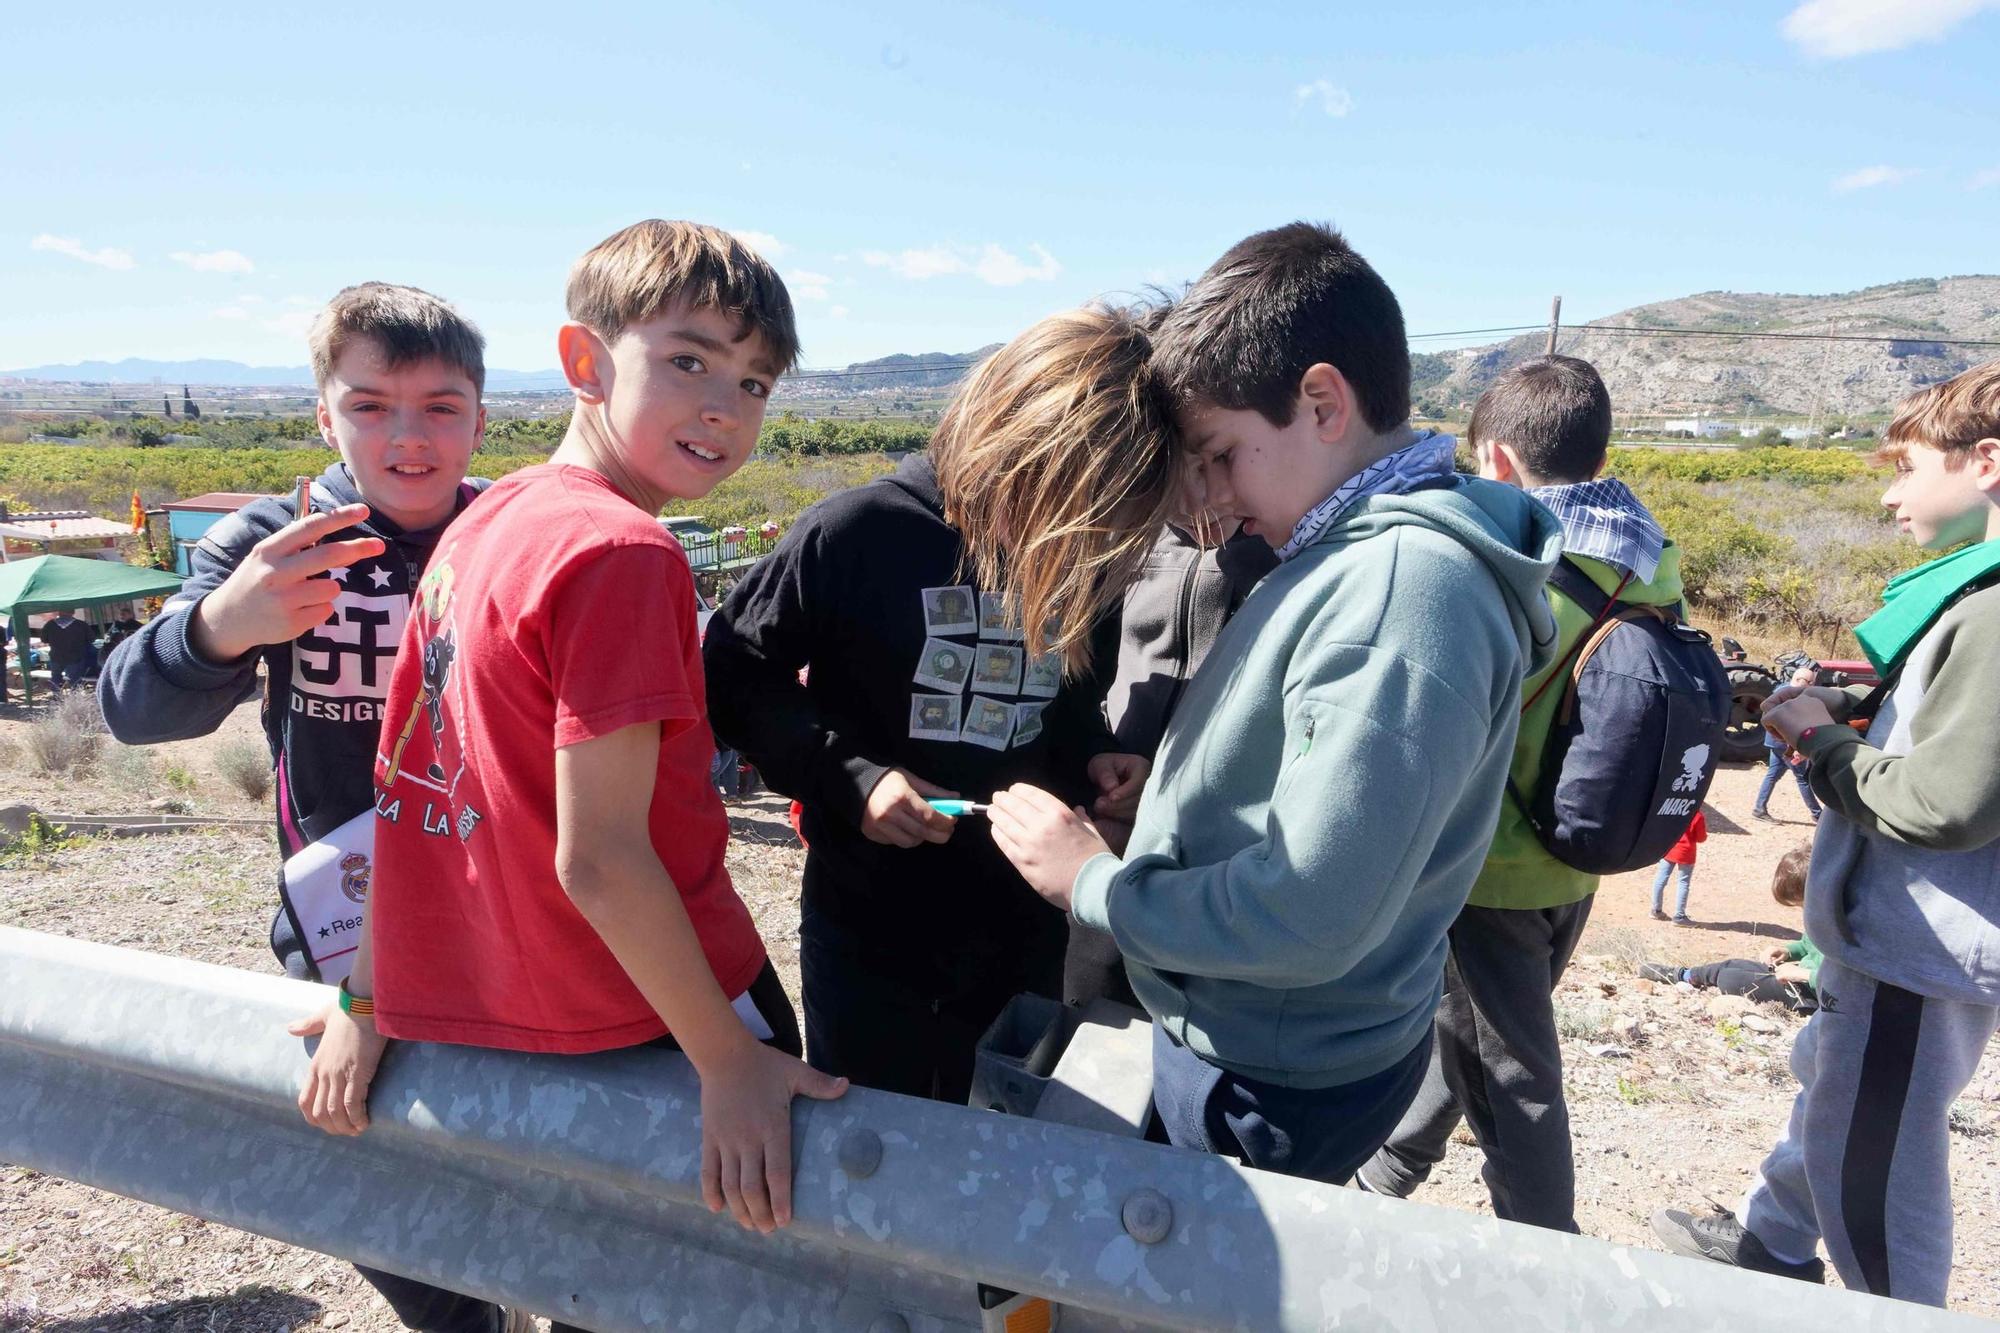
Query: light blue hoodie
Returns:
{"type": "Point", "coordinates": [1327, 790]}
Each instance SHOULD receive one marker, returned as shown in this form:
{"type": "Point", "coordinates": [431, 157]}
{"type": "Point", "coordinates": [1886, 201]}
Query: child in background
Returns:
{"type": "Point", "coordinates": [1778, 759]}
{"type": "Point", "coordinates": [1788, 973]}
{"type": "Point", "coordinates": [914, 929]}
{"type": "Point", "coordinates": [1679, 862]}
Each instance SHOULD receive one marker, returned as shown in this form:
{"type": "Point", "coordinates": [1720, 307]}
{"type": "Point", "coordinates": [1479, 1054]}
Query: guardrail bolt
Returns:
{"type": "Point", "coordinates": [889, 1322]}
{"type": "Point", "coordinates": [1147, 1215]}
{"type": "Point", "coordinates": [860, 1153]}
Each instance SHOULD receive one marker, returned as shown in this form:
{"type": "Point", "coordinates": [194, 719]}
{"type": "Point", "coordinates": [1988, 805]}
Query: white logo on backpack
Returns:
{"type": "Point", "coordinates": [1694, 766]}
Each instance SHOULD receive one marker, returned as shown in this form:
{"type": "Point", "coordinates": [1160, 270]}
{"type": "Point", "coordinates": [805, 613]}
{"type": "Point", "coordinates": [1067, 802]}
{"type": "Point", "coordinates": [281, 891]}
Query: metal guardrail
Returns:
{"type": "Point", "coordinates": [569, 1185]}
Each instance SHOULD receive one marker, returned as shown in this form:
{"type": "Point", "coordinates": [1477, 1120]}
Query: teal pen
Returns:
{"type": "Point", "coordinates": [956, 808]}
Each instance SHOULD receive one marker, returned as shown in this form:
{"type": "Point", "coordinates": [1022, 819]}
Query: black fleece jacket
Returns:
{"type": "Point", "coordinates": [844, 593]}
{"type": "Point", "coordinates": [323, 710]}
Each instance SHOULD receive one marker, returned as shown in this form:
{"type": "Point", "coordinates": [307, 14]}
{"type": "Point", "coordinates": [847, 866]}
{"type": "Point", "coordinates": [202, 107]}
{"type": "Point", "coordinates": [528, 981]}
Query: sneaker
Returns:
{"type": "Point", "coordinates": [1664, 973]}
{"type": "Point", "coordinates": [1658, 915]}
{"type": "Point", "coordinates": [1723, 1239]}
{"type": "Point", "coordinates": [1766, 816]}
{"type": "Point", "coordinates": [1683, 919]}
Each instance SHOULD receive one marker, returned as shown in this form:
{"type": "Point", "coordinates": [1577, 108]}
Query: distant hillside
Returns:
{"type": "Point", "coordinates": [138, 371]}
{"type": "Point", "coordinates": [925, 370]}
{"type": "Point", "coordinates": [1658, 373]}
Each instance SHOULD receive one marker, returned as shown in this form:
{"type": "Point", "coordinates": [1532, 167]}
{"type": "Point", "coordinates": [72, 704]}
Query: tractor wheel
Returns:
{"type": "Point", "coordinates": [1743, 737]}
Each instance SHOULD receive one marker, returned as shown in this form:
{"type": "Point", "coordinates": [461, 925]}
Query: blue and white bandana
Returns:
{"type": "Point", "coordinates": [1414, 465]}
{"type": "Point", "coordinates": [1604, 520]}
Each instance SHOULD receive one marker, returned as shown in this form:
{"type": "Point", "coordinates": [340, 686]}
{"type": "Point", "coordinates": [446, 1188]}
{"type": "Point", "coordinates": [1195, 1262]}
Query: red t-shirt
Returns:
{"type": "Point", "coordinates": [553, 612]}
{"type": "Point", "coordinates": [1682, 853]}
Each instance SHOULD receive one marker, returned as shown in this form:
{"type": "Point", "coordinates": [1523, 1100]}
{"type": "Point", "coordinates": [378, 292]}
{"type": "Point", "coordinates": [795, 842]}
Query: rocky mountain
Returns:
{"type": "Point", "coordinates": [1721, 371]}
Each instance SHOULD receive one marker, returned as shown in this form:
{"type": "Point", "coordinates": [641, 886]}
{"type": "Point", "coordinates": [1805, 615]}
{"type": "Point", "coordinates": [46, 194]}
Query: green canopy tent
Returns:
{"type": "Point", "coordinates": [66, 582]}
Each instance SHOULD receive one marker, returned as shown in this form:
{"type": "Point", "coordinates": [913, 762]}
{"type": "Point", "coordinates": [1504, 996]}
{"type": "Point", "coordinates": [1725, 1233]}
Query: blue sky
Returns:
{"type": "Point", "coordinates": [189, 183]}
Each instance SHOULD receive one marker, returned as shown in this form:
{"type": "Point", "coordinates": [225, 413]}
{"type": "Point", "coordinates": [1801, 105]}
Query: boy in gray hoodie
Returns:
{"type": "Point", "coordinates": [1903, 896]}
{"type": "Point", "coordinates": [1327, 788]}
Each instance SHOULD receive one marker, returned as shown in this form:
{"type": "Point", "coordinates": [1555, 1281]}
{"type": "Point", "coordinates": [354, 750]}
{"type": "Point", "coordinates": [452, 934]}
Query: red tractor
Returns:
{"type": "Point", "coordinates": [1750, 683]}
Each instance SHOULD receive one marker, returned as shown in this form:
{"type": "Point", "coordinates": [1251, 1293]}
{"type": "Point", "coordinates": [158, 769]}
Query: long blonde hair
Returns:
{"type": "Point", "coordinates": [1059, 463]}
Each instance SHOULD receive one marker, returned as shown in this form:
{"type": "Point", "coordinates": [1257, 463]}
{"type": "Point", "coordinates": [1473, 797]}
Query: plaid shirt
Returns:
{"type": "Point", "coordinates": [1604, 520]}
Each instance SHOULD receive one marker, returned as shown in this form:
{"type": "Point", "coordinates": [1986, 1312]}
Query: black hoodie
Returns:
{"type": "Point", "coordinates": [323, 710]}
{"type": "Point", "coordinates": [845, 593]}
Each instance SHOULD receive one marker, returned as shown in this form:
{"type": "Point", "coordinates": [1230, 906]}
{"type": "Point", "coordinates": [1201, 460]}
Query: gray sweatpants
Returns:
{"type": "Point", "coordinates": [1865, 1162]}
{"type": "Point", "coordinates": [1497, 1063]}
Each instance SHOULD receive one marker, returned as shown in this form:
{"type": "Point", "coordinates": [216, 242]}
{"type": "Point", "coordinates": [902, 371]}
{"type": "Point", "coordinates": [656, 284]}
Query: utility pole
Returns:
{"type": "Point", "coordinates": [1555, 322]}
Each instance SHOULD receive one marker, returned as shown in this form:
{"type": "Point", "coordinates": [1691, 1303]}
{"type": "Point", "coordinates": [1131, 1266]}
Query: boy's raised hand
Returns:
{"type": "Point", "coordinates": [274, 596]}
{"type": "Point", "coordinates": [336, 1093]}
{"type": "Point", "coordinates": [1047, 841]}
{"type": "Point", "coordinates": [1119, 779]}
{"type": "Point", "coordinates": [898, 813]}
{"type": "Point", "coordinates": [746, 1131]}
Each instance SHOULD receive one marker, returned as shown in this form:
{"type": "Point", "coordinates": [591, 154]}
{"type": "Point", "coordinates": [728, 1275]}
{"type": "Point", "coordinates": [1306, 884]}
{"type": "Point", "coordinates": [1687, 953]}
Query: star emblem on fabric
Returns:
{"type": "Point", "coordinates": [379, 577]}
{"type": "Point", "coordinates": [339, 572]}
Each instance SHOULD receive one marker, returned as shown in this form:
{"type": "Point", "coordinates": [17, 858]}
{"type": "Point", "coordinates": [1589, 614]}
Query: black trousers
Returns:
{"type": "Point", "coordinates": [428, 1309]}
{"type": "Point", "coordinates": [891, 1021]}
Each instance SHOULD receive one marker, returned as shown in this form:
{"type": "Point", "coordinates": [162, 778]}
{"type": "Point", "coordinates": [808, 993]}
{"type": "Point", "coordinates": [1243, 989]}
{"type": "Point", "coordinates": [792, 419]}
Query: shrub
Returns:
{"type": "Point", "coordinates": [179, 776]}
{"type": "Point", "coordinates": [247, 767]}
{"type": "Point", "coordinates": [133, 769]}
{"type": "Point", "coordinates": [67, 738]}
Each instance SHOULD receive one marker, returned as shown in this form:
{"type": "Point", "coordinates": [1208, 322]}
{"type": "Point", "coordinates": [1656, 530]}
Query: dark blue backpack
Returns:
{"type": "Point", "coordinates": [1632, 749]}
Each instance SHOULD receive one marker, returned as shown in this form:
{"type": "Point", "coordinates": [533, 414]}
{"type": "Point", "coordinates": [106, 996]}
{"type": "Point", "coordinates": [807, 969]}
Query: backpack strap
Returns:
{"type": "Point", "coordinates": [1579, 587]}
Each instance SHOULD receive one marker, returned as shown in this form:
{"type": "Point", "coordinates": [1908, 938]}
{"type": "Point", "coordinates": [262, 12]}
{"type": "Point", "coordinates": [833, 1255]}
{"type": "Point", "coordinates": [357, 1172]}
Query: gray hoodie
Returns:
{"type": "Point", "coordinates": [1905, 878]}
{"type": "Point", "coordinates": [1328, 787]}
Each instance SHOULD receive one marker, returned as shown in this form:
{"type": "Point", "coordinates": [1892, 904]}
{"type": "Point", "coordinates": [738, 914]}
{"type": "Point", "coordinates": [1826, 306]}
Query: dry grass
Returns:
{"type": "Point", "coordinates": [68, 737]}
{"type": "Point", "coordinates": [245, 766]}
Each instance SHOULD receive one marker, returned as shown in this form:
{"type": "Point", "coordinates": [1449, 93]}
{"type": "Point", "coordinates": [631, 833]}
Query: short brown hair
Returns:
{"type": "Point", "coordinates": [633, 275]}
{"type": "Point", "coordinates": [1952, 416]}
{"type": "Point", "coordinates": [407, 323]}
{"type": "Point", "coordinates": [1556, 414]}
{"type": "Point", "coordinates": [1275, 305]}
{"type": "Point", "coordinates": [1059, 463]}
{"type": "Point", "coordinates": [1788, 881]}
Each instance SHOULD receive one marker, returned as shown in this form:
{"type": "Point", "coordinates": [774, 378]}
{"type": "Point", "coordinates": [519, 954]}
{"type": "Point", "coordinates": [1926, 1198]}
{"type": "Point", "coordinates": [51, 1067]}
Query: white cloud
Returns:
{"type": "Point", "coordinates": [108, 257]}
{"type": "Point", "coordinates": [215, 261]}
{"type": "Point", "coordinates": [1002, 269]}
{"type": "Point", "coordinates": [838, 312]}
{"type": "Point", "coordinates": [1335, 101]}
{"type": "Point", "coordinates": [1869, 177]}
{"type": "Point", "coordinates": [292, 324]}
{"type": "Point", "coordinates": [764, 243]}
{"type": "Point", "coordinates": [990, 263]}
{"type": "Point", "coordinates": [808, 286]}
{"type": "Point", "coordinates": [229, 312]}
{"type": "Point", "coordinates": [1983, 179]}
{"type": "Point", "coordinates": [1835, 29]}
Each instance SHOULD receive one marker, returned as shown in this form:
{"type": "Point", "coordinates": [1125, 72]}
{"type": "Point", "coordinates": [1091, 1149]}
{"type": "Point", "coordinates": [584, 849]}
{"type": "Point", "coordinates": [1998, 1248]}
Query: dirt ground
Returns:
{"type": "Point", "coordinates": [1674, 1098]}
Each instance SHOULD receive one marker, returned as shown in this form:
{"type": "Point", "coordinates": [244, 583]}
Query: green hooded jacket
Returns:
{"type": "Point", "coordinates": [1519, 873]}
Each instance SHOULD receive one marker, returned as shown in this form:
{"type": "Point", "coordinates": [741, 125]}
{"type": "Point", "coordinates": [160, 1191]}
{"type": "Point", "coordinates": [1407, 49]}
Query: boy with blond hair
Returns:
{"type": "Point", "coordinates": [550, 868]}
{"type": "Point", "coordinates": [1903, 896]}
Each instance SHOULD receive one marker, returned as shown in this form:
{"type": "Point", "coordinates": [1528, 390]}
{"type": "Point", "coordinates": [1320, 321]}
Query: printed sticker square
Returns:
{"type": "Point", "coordinates": [1027, 723]}
{"type": "Point", "coordinates": [1044, 676]}
{"type": "Point", "coordinates": [950, 611]}
{"type": "Point", "coordinates": [988, 722]}
{"type": "Point", "coordinates": [944, 665]}
{"type": "Point", "coordinates": [997, 619]}
{"type": "Point", "coordinates": [934, 717]}
{"type": "Point", "coordinates": [996, 669]}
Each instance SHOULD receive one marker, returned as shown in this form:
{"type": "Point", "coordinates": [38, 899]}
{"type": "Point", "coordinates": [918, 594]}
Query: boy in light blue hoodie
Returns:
{"type": "Point", "coordinates": [1327, 790]}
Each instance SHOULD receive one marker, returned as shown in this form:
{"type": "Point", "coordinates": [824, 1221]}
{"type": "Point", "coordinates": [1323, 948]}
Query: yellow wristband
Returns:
{"type": "Point", "coordinates": [357, 1005]}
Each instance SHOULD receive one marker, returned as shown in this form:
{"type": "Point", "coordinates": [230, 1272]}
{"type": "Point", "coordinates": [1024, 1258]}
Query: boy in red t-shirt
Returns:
{"type": "Point", "coordinates": [549, 851]}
